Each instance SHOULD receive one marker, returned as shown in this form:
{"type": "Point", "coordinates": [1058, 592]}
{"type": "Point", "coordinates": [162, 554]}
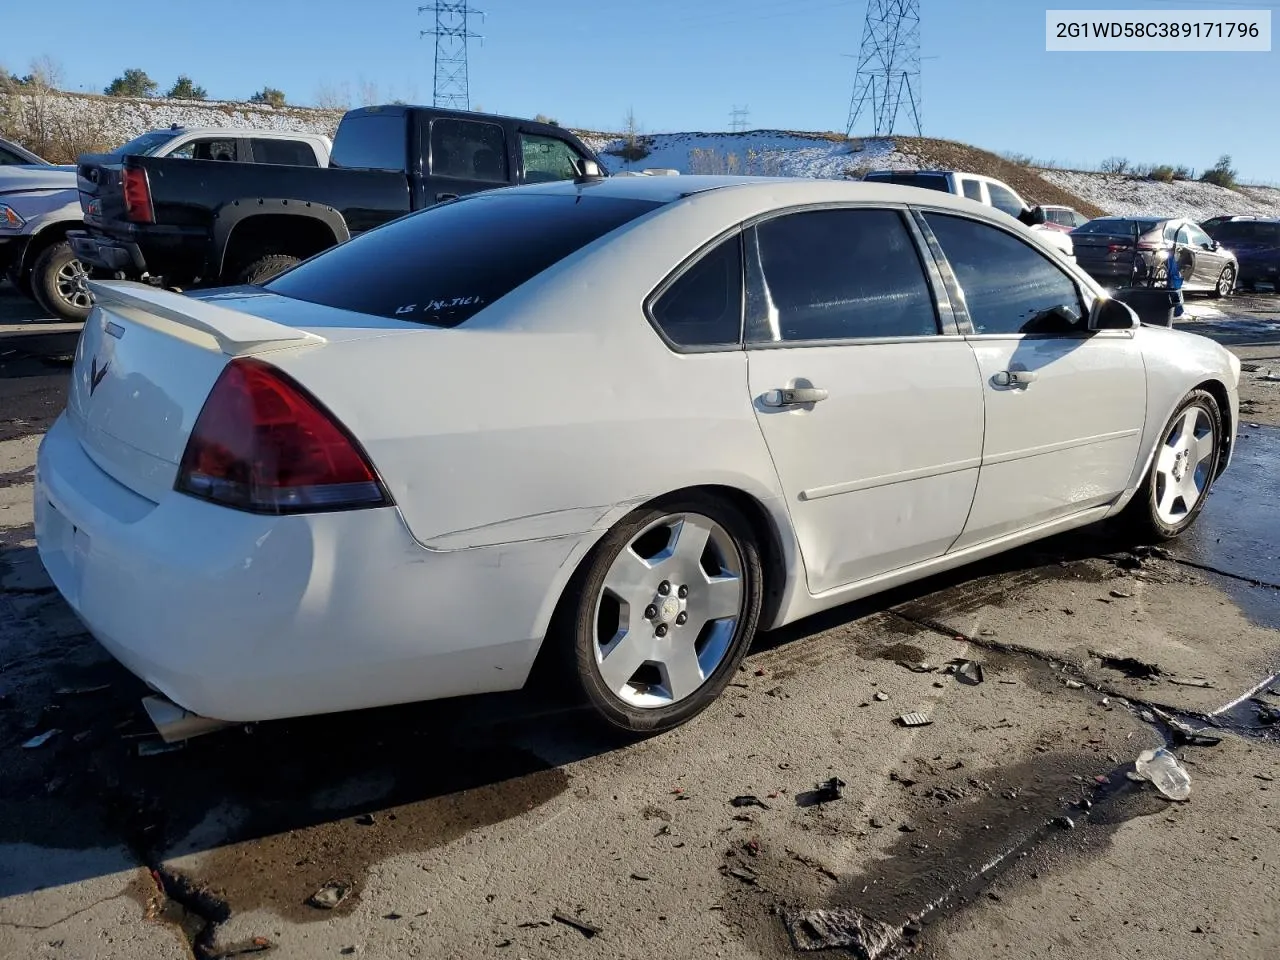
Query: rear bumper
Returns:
{"type": "Point", "coordinates": [107, 254]}
{"type": "Point", "coordinates": [242, 617]}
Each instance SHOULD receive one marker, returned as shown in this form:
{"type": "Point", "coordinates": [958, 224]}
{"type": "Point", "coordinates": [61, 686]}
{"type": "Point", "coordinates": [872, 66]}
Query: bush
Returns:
{"type": "Point", "coordinates": [270, 96]}
{"type": "Point", "coordinates": [543, 118]}
{"type": "Point", "coordinates": [1183, 173]}
{"type": "Point", "coordinates": [185, 89]}
{"type": "Point", "coordinates": [1163, 173]}
{"type": "Point", "coordinates": [132, 83]}
{"type": "Point", "coordinates": [1222, 174]}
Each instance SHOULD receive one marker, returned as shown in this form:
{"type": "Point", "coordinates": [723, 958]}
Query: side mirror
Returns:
{"type": "Point", "coordinates": [1111, 314]}
{"type": "Point", "coordinates": [588, 170]}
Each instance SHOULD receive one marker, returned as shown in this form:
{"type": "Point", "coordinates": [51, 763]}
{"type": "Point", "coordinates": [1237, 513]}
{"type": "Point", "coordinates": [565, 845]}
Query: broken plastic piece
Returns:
{"type": "Point", "coordinates": [914, 720]}
{"type": "Point", "coordinates": [749, 800]}
{"type": "Point", "coordinates": [1162, 768]}
{"type": "Point", "coordinates": [842, 929]}
{"type": "Point", "coordinates": [881, 696]}
{"type": "Point", "coordinates": [1073, 684]}
{"type": "Point", "coordinates": [1191, 683]}
{"type": "Point", "coordinates": [331, 894]}
{"type": "Point", "coordinates": [969, 671]}
{"type": "Point", "coordinates": [829, 790]}
{"type": "Point", "coordinates": [922, 667]}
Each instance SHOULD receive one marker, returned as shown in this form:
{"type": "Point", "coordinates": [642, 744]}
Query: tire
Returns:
{"type": "Point", "coordinates": [57, 283]}
{"type": "Point", "coordinates": [647, 700]}
{"type": "Point", "coordinates": [265, 268]}
{"type": "Point", "coordinates": [1150, 517]}
{"type": "Point", "coordinates": [1226, 283]}
{"type": "Point", "coordinates": [21, 281]}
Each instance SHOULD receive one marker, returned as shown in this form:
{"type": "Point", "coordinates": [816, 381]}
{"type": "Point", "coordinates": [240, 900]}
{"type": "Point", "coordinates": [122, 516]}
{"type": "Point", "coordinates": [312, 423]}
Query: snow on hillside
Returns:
{"type": "Point", "coordinates": [763, 152]}
{"type": "Point", "coordinates": [1185, 198]}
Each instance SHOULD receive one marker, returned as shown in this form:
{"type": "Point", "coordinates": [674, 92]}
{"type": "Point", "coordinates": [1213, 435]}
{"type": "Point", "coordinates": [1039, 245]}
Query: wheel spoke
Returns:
{"type": "Point", "coordinates": [1172, 491]}
{"type": "Point", "coordinates": [1187, 431]}
{"type": "Point", "coordinates": [720, 598]}
{"type": "Point", "coordinates": [630, 578]}
{"type": "Point", "coordinates": [628, 654]}
{"type": "Point", "coordinates": [691, 541]}
{"type": "Point", "coordinates": [1164, 462]}
{"type": "Point", "coordinates": [1201, 450]}
{"type": "Point", "coordinates": [680, 668]}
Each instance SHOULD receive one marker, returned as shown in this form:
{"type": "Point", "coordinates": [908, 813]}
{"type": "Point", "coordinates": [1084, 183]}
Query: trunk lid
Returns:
{"type": "Point", "coordinates": [148, 358]}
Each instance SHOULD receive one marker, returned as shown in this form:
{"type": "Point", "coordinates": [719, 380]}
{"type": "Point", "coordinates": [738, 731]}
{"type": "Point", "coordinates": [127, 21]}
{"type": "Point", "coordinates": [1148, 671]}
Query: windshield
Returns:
{"type": "Point", "coordinates": [445, 264]}
{"type": "Point", "coordinates": [1246, 231]}
{"type": "Point", "coordinates": [144, 145]}
{"type": "Point", "coordinates": [1115, 227]}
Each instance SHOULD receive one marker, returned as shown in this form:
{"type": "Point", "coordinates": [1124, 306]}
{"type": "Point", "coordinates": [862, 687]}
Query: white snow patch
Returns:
{"type": "Point", "coordinates": [1128, 196]}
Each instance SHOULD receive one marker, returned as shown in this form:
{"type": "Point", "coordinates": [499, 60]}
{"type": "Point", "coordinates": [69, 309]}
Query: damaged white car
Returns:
{"type": "Point", "coordinates": [621, 423]}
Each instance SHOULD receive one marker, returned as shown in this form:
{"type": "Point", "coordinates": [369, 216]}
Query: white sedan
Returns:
{"type": "Point", "coordinates": [613, 425]}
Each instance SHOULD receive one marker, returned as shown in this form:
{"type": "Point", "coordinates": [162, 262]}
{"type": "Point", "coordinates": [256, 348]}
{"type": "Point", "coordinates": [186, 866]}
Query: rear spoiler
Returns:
{"type": "Point", "coordinates": [237, 333]}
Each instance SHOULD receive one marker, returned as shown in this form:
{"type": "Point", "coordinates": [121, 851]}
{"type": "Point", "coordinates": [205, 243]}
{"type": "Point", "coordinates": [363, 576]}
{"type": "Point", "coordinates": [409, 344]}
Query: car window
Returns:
{"type": "Point", "coordinates": [1198, 237]}
{"type": "Point", "coordinates": [143, 145]}
{"type": "Point", "coordinates": [547, 158]}
{"type": "Point", "coordinates": [835, 275]}
{"type": "Point", "coordinates": [293, 153]}
{"type": "Point", "coordinates": [1004, 199]}
{"type": "Point", "coordinates": [371, 141]}
{"type": "Point", "coordinates": [9, 158]}
{"type": "Point", "coordinates": [1247, 231]}
{"type": "Point", "coordinates": [927, 181]}
{"type": "Point", "coordinates": [212, 149]}
{"type": "Point", "coordinates": [1008, 286]}
{"type": "Point", "coordinates": [972, 189]}
{"type": "Point", "coordinates": [704, 306]}
{"type": "Point", "coordinates": [1170, 231]}
{"type": "Point", "coordinates": [442, 265]}
{"type": "Point", "coordinates": [1182, 235]}
{"type": "Point", "coordinates": [468, 150]}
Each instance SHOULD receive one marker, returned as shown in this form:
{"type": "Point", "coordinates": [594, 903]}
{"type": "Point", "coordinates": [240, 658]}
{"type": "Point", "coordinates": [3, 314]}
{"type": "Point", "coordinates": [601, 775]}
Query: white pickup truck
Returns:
{"type": "Point", "coordinates": [983, 189]}
{"type": "Point", "coordinates": [39, 204]}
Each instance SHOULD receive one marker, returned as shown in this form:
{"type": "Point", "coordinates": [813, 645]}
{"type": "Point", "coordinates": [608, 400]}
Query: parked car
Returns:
{"type": "Point", "coordinates": [40, 260]}
{"type": "Point", "coordinates": [1255, 242]}
{"type": "Point", "coordinates": [1127, 251]}
{"type": "Point", "coordinates": [1058, 217]}
{"type": "Point", "coordinates": [16, 155]}
{"type": "Point", "coordinates": [550, 424]}
{"type": "Point", "coordinates": [983, 189]}
{"type": "Point", "coordinates": [203, 224]}
{"type": "Point", "coordinates": [1212, 222]}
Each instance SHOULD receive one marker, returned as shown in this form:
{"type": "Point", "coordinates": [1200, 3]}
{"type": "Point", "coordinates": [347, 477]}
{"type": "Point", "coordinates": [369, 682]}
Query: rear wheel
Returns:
{"type": "Point", "coordinates": [663, 612]}
{"type": "Point", "coordinates": [1226, 282]}
{"type": "Point", "coordinates": [57, 283]}
{"type": "Point", "coordinates": [266, 267]}
{"type": "Point", "coordinates": [1182, 471]}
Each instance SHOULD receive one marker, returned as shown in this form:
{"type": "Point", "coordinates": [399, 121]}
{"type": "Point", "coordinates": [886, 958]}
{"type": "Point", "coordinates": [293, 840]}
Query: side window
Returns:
{"type": "Point", "coordinates": [215, 150]}
{"type": "Point", "coordinates": [468, 150]}
{"type": "Point", "coordinates": [1008, 286]}
{"type": "Point", "coordinates": [9, 158]}
{"type": "Point", "coordinates": [703, 307]}
{"type": "Point", "coordinates": [293, 153]}
{"type": "Point", "coordinates": [547, 158]}
{"type": "Point", "coordinates": [1184, 235]}
{"type": "Point", "coordinates": [185, 152]}
{"type": "Point", "coordinates": [1198, 237]}
{"type": "Point", "coordinates": [1079, 219]}
{"type": "Point", "coordinates": [836, 275]}
{"type": "Point", "coordinates": [972, 189]}
{"type": "Point", "coordinates": [1004, 199]}
{"type": "Point", "coordinates": [1171, 231]}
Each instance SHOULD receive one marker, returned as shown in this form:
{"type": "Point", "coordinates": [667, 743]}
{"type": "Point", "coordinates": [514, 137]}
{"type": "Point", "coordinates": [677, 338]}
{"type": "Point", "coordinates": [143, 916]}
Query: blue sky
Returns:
{"type": "Point", "coordinates": [684, 64]}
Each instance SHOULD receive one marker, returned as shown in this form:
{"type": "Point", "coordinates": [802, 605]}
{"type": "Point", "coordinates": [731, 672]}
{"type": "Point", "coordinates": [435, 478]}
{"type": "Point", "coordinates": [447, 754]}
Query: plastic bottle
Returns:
{"type": "Point", "coordinates": [1162, 768]}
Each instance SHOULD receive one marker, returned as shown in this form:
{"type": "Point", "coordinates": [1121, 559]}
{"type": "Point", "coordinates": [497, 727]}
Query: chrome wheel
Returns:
{"type": "Point", "coordinates": [667, 612]}
{"type": "Point", "coordinates": [1226, 282]}
{"type": "Point", "coordinates": [69, 282]}
{"type": "Point", "coordinates": [1183, 465]}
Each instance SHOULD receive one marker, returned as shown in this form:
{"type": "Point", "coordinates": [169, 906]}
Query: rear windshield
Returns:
{"type": "Point", "coordinates": [930, 181]}
{"type": "Point", "coordinates": [445, 264]}
{"type": "Point", "coordinates": [1246, 231]}
{"type": "Point", "coordinates": [1118, 227]}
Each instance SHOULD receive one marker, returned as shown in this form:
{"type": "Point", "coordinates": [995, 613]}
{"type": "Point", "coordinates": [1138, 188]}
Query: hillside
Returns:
{"type": "Point", "coordinates": [61, 125]}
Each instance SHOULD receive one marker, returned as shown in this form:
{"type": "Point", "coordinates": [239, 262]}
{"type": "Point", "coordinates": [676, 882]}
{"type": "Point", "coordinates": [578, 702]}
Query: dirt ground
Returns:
{"type": "Point", "coordinates": [506, 827]}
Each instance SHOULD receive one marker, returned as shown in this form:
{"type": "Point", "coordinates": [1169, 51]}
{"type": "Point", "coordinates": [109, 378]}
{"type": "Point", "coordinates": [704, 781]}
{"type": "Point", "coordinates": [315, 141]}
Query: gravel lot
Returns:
{"type": "Point", "coordinates": [465, 828]}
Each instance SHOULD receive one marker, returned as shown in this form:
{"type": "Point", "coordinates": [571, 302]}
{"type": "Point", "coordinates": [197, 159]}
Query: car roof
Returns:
{"type": "Point", "coordinates": [234, 132]}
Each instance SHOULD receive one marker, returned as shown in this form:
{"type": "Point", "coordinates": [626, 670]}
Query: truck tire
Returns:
{"type": "Point", "coordinates": [21, 281]}
{"type": "Point", "coordinates": [264, 268]}
{"type": "Point", "coordinates": [57, 283]}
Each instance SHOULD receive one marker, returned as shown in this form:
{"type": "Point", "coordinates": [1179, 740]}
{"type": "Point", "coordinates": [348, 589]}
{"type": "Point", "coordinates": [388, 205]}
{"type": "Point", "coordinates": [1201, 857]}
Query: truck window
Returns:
{"type": "Point", "coordinates": [547, 158]}
{"type": "Point", "coordinates": [972, 189]}
{"type": "Point", "coordinates": [371, 141]}
{"type": "Point", "coordinates": [208, 150]}
{"type": "Point", "coordinates": [1002, 198]}
{"type": "Point", "coordinates": [929, 181]}
{"type": "Point", "coordinates": [293, 153]}
{"type": "Point", "coordinates": [468, 150]}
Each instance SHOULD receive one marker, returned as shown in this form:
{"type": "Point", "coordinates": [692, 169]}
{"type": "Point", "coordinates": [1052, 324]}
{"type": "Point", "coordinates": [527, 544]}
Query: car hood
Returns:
{"type": "Point", "coordinates": [17, 178]}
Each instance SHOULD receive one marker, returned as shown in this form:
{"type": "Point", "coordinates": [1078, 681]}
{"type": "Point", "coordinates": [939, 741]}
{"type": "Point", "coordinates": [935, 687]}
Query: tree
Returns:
{"type": "Point", "coordinates": [1222, 174]}
{"type": "Point", "coordinates": [132, 83]}
{"type": "Point", "coordinates": [269, 95]}
{"type": "Point", "coordinates": [185, 89]}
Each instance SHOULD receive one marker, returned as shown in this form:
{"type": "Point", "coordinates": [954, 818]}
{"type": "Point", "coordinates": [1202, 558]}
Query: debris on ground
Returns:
{"type": "Point", "coordinates": [40, 739]}
{"type": "Point", "coordinates": [968, 671]}
{"type": "Point", "coordinates": [365, 820]}
{"type": "Point", "coordinates": [749, 800]}
{"type": "Point", "coordinates": [841, 929]}
{"type": "Point", "coordinates": [588, 930]}
{"type": "Point", "coordinates": [742, 873]}
{"type": "Point", "coordinates": [752, 847]}
{"type": "Point", "coordinates": [1267, 714]}
{"type": "Point", "coordinates": [881, 696]}
{"type": "Point", "coordinates": [1122, 595]}
{"type": "Point", "coordinates": [1129, 666]}
{"type": "Point", "coordinates": [1163, 769]}
{"type": "Point", "coordinates": [1187, 734]}
{"type": "Point", "coordinates": [1063, 823]}
{"type": "Point", "coordinates": [922, 667]}
{"type": "Point", "coordinates": [828, 790]}
{"type": "Point", "coordinates": [1073, 684]}
{"type": "Point", "coordinates": [1188, 682]}
{"type": "Point", "coordinates": [913, 720]}
{"type": "Point", "coordinates": [331, 894]}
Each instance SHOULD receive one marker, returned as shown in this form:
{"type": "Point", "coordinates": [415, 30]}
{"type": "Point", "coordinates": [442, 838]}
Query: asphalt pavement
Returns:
{"type": "Point", "coordinates": [1008, 826]}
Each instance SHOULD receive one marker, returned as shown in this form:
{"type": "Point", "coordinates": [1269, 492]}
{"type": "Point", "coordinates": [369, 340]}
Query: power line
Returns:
{"type": "Point", "coordinates": [888, 76]}
{"type": "Point", "coordinates": [738, 119]}
{"type": "Point", "coordinates": [451, 88]}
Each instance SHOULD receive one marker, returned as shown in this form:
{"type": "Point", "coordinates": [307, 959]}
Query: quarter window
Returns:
{"type": "Point", "coordinates": [468, 150]}
{"type": "Point", "coordinates": [836, 275]}
{"type": "Point", "coordinates": [1008, 286]}
{"type": "Point", "coordinates": [703, 307]}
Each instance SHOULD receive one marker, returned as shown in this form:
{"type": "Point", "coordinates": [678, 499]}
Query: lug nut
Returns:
{"type": "Point", "coordinates": [662, 630]}
{"type": "Point", "coordinates": [650, 612]}
{"type": "Point", "coordinates": [682, 618]}
{"type": "Point", "coordinates": [664, 588]}
{"type": "Point", "coordinates": [683, 591]}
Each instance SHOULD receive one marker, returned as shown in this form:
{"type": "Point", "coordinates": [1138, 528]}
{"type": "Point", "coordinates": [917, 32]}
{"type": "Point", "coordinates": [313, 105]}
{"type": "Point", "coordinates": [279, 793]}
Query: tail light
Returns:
{"type": "Point", "coordinates": [137, 196]}
{"type": "Point", "coordinates": [263, 444]}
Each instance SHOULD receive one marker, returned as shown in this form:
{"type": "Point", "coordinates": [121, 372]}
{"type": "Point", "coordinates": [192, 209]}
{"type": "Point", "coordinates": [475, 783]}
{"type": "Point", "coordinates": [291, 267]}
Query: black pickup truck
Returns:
{"type": "Point", "coordinates": [187, 223]}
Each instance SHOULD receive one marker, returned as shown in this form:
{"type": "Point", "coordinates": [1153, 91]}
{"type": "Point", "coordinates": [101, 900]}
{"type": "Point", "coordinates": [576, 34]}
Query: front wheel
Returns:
{"type": "Point", "coordinates": [1226, 283]}
{"type": "Point", "coordinates": [663, 613]}
{"type": "Point", "coordinates": [1182, 471]}
{"type": "Point", "coordinates": [58, 283]}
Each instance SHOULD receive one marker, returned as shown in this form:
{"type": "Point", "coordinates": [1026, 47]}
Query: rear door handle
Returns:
{"type": "Point", "coordinates": [442, 197]}
{"type": "Point", "coordinates": [1013, 378]}
{"type": "Point", "coordinates": [792, 396]}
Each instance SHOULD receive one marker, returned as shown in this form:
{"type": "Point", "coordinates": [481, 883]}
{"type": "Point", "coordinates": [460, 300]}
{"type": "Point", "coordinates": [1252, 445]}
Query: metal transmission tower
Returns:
{"type": "Point", "coordinates": [738, 119]}
{"type": "Point", "coordinates": [888, 77]}
{"type": "Point", "coordinates": [451, 88]}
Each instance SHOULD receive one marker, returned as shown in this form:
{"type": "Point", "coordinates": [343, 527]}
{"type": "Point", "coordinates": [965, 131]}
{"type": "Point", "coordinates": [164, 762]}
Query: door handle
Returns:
{"type": "Point", "coordinates": [792, 396]}
{"type": "Point", "coordinates": [1013, 378]}
{"type": "Point", "coordinates": [442, 197]}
